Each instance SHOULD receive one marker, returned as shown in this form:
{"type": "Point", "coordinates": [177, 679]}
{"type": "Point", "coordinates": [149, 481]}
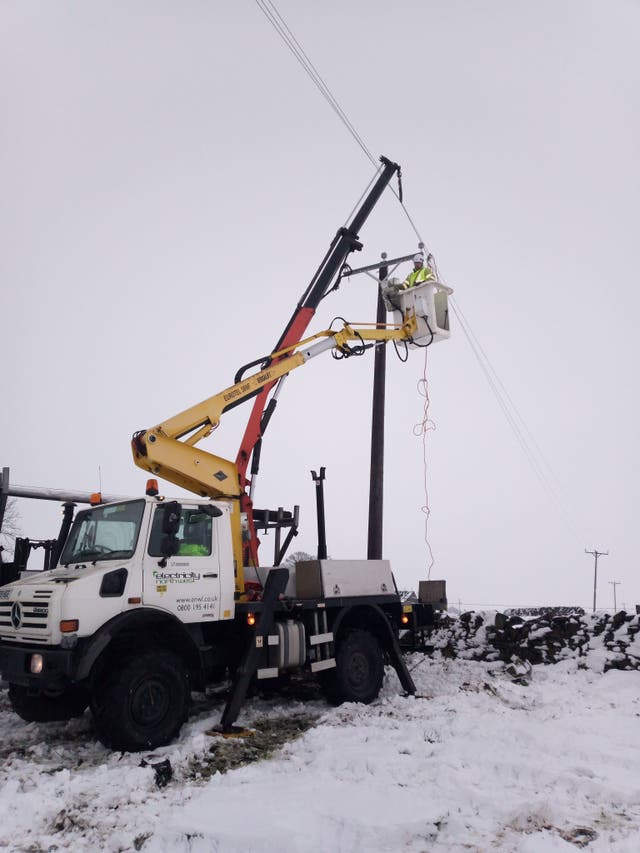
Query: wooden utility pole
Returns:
{"type": "Point", "coordinates": [596, 554]}
{"type": "Point", "coordinates": [376, 482]}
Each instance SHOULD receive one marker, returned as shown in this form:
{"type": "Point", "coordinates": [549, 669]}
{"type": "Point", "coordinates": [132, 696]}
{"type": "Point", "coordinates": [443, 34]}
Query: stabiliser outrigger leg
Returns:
{"type": "Point", "coordinates": [397, 662]}
{"type": "Point", "coordinates": [274, 587]}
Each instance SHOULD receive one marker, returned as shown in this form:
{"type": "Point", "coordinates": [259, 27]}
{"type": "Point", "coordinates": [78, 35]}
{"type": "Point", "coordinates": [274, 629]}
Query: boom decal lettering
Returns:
{"type": "Point", "coordinates": [239, 391]}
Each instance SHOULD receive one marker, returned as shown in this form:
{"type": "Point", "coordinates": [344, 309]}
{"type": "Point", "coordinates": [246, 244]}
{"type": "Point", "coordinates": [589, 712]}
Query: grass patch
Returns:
{"type": "Point", "coordinates": [269, 736]}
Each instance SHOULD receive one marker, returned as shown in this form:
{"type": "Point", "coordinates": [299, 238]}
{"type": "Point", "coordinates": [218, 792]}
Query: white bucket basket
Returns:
{"type": "Point", "coordinates": [429, 302]}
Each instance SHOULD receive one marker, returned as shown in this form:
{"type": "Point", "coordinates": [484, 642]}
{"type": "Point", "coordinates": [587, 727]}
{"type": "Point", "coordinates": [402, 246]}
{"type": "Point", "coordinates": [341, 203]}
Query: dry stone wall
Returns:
{"type": "Point", "coordinates": [601, 641]}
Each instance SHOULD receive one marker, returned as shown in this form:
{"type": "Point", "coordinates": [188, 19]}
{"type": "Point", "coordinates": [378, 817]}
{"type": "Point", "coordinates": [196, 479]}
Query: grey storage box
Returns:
{"type": "Point", "coordinates": [343, 578]}
{"type": "Point", "coordinates": [433, 593]}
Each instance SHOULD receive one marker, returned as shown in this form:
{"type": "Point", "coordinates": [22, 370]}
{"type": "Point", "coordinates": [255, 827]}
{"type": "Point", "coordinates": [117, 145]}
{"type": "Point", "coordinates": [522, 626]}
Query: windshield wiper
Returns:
{"type": "Point", "coordinates": [100, 553]}
{"type": "Point", "coordinates": [123, 553]}
{"type": "Point", "coordinates": [90, 553]}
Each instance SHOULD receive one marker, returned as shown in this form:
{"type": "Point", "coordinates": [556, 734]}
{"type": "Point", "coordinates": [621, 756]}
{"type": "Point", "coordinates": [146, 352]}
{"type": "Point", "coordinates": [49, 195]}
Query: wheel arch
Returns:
{"type": "Point", "coordinates": [138, 629]}
{"type": "Point", "coordinates": [368, 617]}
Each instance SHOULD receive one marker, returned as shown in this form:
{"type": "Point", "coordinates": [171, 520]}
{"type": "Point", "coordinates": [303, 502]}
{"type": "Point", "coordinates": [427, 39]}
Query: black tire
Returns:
{"type": "Point", "coordinates": [359, 669]}
{"type": "Point", "coordinates": [37, 706]}
{"type": "Point", "coordinates": [142, 703]}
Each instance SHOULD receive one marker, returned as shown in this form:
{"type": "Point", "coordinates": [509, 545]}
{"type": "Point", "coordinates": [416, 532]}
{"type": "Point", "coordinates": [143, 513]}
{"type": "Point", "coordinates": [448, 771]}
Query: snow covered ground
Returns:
{"type": "Point", "coordinates": [476, 763]}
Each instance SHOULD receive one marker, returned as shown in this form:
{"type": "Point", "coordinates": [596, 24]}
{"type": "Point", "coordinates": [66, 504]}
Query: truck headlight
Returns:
{"type": "Point", "coordinates": [37, 664]}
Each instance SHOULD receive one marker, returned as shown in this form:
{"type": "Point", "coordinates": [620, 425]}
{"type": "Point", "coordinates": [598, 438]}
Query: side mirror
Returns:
{"type": "Point", "coordinates": [169, 545]}
{"type": "Point", "coordinates": [22, 549]}
{"type": "Point", "coordinates": [171, 518]}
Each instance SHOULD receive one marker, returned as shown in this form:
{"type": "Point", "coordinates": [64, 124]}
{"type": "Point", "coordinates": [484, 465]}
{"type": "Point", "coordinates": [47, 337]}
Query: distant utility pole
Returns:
{"type": "Point", "coordinates": [596, 554]}
{"type": "Point", "coordinates": [614, 584]}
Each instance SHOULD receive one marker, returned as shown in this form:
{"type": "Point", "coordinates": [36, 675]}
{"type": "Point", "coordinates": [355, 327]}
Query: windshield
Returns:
{"type": "Point", "coordinates": [104, 533]}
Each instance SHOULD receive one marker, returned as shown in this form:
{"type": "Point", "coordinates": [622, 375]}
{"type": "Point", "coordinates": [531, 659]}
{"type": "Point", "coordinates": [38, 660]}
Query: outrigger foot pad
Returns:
{"type": "Point", "coordinates": [230, 732]}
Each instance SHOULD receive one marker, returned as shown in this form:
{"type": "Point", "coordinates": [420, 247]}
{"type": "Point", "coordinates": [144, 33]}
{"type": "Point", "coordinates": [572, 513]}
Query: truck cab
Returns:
{"type": "Point", "coordinates": [145, 572]}
{"type": "Point", "coordinates": [115, 561]}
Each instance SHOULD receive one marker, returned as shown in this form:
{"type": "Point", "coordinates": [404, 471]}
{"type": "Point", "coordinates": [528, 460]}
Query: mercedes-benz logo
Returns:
{"type": "Point", "coordinates": [16, 615]}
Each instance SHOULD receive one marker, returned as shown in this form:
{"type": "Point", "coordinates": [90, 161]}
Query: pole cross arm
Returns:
{"type": "Point", "coordinates": [347, 271]}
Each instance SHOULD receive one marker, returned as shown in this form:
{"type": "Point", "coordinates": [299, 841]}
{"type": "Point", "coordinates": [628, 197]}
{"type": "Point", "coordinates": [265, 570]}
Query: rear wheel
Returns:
{"type": "Point", "coordinates": [143, 703]}
{"type": "Point", "coordinates": [359, 669]}
{"type": "Point", "coordinates": [39, 706]}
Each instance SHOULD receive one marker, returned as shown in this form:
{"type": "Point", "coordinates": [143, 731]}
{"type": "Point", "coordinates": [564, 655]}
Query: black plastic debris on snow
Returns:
{"type": "Point", "coordinates": [162, 770]}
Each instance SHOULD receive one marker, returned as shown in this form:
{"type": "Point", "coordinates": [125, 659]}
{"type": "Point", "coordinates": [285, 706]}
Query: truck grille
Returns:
{"type": "Point", "coordinates": [25, 619]}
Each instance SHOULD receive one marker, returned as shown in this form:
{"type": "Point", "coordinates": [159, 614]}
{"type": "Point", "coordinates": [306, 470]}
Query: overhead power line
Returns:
{"type": "Point", "coordinates": [524, 436]}
{"type": "Point", "coordinates": [270, 11]}
{"type": "Point", "coordinates": [280, 25]}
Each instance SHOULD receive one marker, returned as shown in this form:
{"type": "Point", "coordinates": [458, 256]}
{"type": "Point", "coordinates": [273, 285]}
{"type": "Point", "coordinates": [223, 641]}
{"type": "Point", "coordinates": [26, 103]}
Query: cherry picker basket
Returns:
{"type": "Point", "coordinates": [428, 301]}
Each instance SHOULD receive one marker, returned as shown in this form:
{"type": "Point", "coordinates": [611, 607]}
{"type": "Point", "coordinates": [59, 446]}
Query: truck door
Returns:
{"type": "Point", "coordinates": [187, 584]}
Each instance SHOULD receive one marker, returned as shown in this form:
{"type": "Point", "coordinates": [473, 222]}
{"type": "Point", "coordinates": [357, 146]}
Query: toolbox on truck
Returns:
{"type": "Point", "coordinates": [343, 578]}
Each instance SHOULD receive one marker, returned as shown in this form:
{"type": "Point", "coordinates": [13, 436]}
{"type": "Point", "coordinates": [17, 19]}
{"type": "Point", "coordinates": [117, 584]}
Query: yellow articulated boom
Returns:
{"type": "Point", "coordinates": [168, 449]}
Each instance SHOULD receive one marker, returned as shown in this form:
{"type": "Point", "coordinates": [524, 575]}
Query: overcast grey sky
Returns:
{"type": "Point", "coordinates": [171, 180]}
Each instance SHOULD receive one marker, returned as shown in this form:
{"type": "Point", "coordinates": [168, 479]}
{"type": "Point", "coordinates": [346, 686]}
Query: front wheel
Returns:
{"type": "Point", "coordinates": [40, 706]}
{"type": "Point", "coordinates": [359, 669]}
{"type": "Point", "coordinates": [143, 703]}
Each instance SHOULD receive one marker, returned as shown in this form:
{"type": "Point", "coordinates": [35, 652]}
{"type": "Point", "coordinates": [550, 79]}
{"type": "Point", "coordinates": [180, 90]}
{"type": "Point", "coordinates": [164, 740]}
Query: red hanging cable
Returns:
{"type": "Point", "coordinates": [421, 429]}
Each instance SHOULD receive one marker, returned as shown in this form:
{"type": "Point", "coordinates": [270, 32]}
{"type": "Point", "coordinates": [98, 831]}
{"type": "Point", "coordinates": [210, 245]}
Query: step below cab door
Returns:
{"type": "Point", "coordinates": [188, 583]}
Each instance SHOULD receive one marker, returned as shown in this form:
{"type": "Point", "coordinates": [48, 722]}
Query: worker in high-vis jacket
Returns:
{"type": "Point", "coordinates": [419, 274]}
